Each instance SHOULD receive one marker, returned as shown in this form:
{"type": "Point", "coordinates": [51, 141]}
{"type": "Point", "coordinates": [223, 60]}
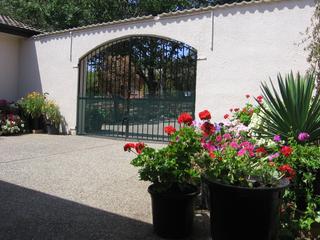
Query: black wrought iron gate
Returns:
{"type": "Point", "coordinates": [135, 86]}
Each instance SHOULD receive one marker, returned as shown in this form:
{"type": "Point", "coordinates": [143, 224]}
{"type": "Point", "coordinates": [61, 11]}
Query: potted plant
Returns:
{"type": "Point", "coordinates": [302, 202]}
{"type": "Point", "coordinates": [292, 112]}
{"type": "Point", "coordinates": [52, 117]}
{"type": "Point", "coordinates": [32, 105]}
{"type": "Point", "coordinates": [245, 183]}
{"type": "Point", "coordinates": [173, 175]}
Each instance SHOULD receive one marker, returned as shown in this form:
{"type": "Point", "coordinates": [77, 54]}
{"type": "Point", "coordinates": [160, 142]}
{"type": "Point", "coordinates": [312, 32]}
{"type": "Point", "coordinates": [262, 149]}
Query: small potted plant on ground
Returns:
{"type": "Point", "coordinates": [173, 175]}
{"type": "Point", "coordinates": [32, 105]}
{"type": "Point", "coordinates": [245, 184]}
{"type": "Point", "coordinates": [52, 117]}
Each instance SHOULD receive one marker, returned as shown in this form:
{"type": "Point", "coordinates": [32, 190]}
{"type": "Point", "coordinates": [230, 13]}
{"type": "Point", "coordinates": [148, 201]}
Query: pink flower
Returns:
{"type": "Point", "coordinates": [234, 145]}
{"type": "Point", "coordinates": [196, 123]}
{"type": "Point", "coordinates": [209, 147]}
{"type": "Point", "coordinates": [219, 138]}
{"type": "Point", "coordinates": [227, 136]}
{"type": "Point", "coordinates": [277, 138]}
{"type": "Point", "coordinates": [273, 156]}
{"type": "Point", "coordinates": [242, 152]}
{"type": "Point", "coordinates": [303, 136]}
{"type": "Point", "coordinates": [245, 144]}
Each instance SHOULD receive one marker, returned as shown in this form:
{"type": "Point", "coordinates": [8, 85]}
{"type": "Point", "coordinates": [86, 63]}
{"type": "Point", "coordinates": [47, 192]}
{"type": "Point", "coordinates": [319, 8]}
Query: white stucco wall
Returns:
{"type": "Point", "coordinates": [250, 44]}
{"type": "Point", "coordinates": [9, 66]}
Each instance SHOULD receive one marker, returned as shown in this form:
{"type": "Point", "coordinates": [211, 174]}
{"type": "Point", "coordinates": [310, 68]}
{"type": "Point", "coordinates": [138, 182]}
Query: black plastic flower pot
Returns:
{"type": "Point", "coordinates": [37, 123]}
{"type": "Point", "coordinates": [301, 191]}
{"type": "Point", "coordinates": [316, 183]}
{"type": "Point", "coordinates": [244, 213]}
{"type": "Point", "coordinates": [52, 130]}
{"type": "Point", "coordinates": [173, 211]}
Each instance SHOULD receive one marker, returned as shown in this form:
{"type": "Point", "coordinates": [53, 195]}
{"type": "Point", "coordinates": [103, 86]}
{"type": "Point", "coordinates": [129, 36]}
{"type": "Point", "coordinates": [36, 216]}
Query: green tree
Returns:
{"type": "Point", "coordinates": [61, 14]}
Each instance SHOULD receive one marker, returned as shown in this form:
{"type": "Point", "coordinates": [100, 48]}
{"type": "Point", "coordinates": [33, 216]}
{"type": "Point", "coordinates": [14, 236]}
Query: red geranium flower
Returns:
{"type": "Point", "coordinates": [259, 98]}
{"type": "Point", "coordinates": [286, 151]}
{"type": "Point", "coordinates": [288, 170]}
{"type": "Point", "coordinates": [226, 116]}
{"type": "Point", "coordinates": [3, 102]}
{"type": "Point", "coordinates": [128, 146]}
{"type": "Point", "coordinates": [207, 128]}
{"type": "Point", "coordinates": [185, 118]}
{"type": "Point", "coordinates": [236, 109]}
{"type": "Point", "coordinates": [212, 155]}
{"type": "Point", "coordinates": [231, 110]}
{"type": "Point", "coordinates": [169, 130]}
{"type": "Point", "coordinates": [261, 150]}
{"type": "Point", "coordinates": [205, 115]}
{"type": "Point", "coordinates": [11, 117]}
{"type": "Point", "coordinates": [139, 147]}
{"type": "Point", "coordinates": [247, 95]}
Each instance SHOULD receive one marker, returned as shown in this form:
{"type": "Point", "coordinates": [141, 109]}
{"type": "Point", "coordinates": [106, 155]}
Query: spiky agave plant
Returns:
{"type": "Point", "coordinates": [292, 109]}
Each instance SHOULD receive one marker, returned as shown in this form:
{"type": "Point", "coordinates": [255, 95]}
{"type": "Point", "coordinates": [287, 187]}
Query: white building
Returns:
{"type": "Point", "coordinates": [237, 45]}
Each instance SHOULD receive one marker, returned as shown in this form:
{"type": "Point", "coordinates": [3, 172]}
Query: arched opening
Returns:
{"type": "Point", "coordinates": [135, 86]}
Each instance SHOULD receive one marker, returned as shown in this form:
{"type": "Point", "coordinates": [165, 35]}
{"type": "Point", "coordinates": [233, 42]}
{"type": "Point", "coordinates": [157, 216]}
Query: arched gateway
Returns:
{"type": "Point", "coordinates": [135, 86]}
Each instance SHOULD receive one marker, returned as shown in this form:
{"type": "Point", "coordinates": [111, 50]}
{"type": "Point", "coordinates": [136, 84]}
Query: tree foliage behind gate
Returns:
{"type": "Point", "coordinates": [61, 14]}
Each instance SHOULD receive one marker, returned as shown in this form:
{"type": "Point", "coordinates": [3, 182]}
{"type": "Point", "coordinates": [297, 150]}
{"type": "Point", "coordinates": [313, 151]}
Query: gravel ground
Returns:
{"type": "Point", "coordinates": [74, 187]}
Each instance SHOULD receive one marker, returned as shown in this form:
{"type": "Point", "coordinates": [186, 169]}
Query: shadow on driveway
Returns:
{"type": "Point", "coordinates": [28, 214]}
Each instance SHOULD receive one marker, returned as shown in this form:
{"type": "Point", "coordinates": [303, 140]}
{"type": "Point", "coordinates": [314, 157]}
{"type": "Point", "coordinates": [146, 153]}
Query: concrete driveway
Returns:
{"type": "Point", "coordinates": [73, 188]}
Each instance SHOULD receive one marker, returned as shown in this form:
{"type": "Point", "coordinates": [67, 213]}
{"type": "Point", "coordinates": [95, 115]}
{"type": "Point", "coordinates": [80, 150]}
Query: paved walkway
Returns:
{"type": "Point", "coordinates": [73, 188]}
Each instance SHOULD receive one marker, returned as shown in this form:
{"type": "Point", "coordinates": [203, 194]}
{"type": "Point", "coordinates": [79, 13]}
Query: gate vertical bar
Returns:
{"type": "Point", "coordinates": [129, 88]}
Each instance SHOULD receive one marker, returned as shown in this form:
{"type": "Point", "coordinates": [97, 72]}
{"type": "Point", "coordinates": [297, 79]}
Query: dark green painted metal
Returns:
{"type": "Point", "coordinates": [135, 86]}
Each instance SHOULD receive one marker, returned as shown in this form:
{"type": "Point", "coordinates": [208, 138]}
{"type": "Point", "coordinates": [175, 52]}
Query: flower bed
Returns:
{"type": "Point", "coordinates": [10, 122]}
{"type": "Point", "coordinates": [29, 113]}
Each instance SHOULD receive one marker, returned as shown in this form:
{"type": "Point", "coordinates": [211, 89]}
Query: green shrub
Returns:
{"type": "Point", "coordinates": [52, 113]}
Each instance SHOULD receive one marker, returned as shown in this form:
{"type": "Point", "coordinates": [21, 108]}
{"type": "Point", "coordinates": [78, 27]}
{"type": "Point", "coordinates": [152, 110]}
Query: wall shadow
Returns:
{"type": "Point", "coordinates": [29, 73]}
{"type": "Point", "coordinates": [27, 214]}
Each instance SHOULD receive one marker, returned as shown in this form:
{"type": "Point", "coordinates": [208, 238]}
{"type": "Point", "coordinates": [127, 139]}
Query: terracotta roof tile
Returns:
{"type": "Point", "coordinates": [11, 22]}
